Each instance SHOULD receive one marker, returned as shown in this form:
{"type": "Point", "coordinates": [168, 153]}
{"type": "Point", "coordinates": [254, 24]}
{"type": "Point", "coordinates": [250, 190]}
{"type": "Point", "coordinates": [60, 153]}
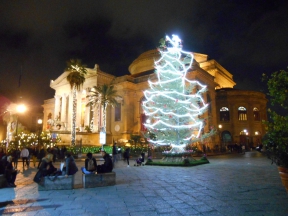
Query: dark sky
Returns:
{"type": "Point", "coordinates": [247, 38]}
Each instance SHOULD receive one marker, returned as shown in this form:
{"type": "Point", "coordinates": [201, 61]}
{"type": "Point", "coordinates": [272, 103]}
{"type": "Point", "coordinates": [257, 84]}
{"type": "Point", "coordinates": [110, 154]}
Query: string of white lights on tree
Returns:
{"type": "Point", "coordinates": [174, 105]}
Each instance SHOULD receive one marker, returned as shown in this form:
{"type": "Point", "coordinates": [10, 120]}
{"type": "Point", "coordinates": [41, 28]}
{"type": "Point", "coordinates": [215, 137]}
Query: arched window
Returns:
{"type": "Point", "coordinates": [256, 114]}
{"type": "Point", "coordinates": [242, 114]}
{"type": "Point", "coordinates": [118, 112]}
{"type": "Point", "coordinates": [224, 114]}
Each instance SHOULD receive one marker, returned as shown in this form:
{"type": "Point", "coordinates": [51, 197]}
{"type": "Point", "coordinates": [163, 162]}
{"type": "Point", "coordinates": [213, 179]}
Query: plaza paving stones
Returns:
{"type": "Point", "coordinates": [229, 185]}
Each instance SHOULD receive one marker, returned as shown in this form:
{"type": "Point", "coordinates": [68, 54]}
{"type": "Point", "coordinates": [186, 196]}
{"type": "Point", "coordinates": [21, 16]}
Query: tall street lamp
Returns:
{"type": "Point", "coordinates": [39, 121]}
{"type": "Point", "coordinates": [220, 136]}
{"type": "Point", "coordinates": [20, 109]}
{"type": "Point", "coordinates": [246, 138]}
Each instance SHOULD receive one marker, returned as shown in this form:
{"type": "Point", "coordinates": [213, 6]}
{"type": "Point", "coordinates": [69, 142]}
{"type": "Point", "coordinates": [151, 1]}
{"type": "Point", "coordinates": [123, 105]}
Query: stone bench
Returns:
{"type": "Point", "coordinates": [60, 183]}
{"type": "Point", "coordinates": [3, 182]}
{"type": "Point", "coordinates": [98, 180]}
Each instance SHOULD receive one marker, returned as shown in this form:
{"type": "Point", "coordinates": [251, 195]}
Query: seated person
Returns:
{"type": "Point", "coordinates": [70, 168]}
{"type": "Point", "coordinates": [90, 164]}
{"type": "Point", "coordinates": [10, 173]}
{"type": "Point", "coordinates": [3, 164]}
{"type": "Point", "coordinates": [108, 164]}
{"type": "Point", "coordinates": [46, 166]}
{"type": "Point", "coordinates": [138, 161]}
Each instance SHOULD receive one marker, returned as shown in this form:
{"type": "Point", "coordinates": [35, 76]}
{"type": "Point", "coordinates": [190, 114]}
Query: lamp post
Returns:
{"type": "Point", "coordinates": [39, 121]}
{"type": "Point", "coordinates": [20, 109]}
{"type": "Point", "coordinates": [220, 136]}
{"type": "Point", "coordinates": [246, 138]}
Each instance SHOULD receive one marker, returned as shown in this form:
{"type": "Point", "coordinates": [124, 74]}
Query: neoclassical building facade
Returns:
{"type": "Point", "coordinates": [237, 114]}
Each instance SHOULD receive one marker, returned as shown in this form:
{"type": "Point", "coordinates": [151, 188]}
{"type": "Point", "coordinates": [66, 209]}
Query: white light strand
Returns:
{"type": "Point", "coordinates": [174, 104]}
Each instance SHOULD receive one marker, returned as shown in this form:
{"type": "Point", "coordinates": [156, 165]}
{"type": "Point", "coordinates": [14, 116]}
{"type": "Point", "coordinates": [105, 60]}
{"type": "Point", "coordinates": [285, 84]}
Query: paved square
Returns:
{"type": "Point", "coordinates": [229, 185]}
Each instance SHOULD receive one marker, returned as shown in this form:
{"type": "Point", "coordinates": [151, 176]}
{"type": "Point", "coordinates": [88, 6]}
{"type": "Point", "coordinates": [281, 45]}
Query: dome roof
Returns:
{"type": "Point", "coordinates": [144, 63]}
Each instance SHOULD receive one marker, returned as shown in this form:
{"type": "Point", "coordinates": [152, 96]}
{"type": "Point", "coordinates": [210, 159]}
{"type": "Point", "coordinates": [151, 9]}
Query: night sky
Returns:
{"type": "Point", "coordinates": [247, 38]}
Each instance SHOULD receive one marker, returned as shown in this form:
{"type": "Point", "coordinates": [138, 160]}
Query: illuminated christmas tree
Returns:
{"type": "Point", "coordinates": [174, 106]}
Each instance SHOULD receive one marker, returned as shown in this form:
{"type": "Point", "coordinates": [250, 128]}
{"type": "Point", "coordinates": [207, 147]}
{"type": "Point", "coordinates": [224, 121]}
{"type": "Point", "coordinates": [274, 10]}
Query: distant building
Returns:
{"type": "Point", "coordinates": [4, 103]}
{"type": "Point", "coordinates": [9, 119]}
{"type": "Point", "coordinates": [238, 112]}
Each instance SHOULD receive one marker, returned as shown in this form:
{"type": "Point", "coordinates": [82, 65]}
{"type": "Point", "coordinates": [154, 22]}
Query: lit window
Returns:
{"type": "Point", "coordinates": [224, 114]}
{"type": "Point", "coordinates": [256, 114]}
{"type": "Point", "coordinates": [242, 114]}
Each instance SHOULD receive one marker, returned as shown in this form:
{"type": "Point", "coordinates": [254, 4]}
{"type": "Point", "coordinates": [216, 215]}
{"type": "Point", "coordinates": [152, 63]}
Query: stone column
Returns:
{"type": "Point", "coordinates": [57, 106]}
{"type": "Point", "coordinates": [87, 114]}
{"type": "Point", "coordinates": [70, 108]}
{"type": "Point", "coordinates": [79, 109]}
{"type": "Point", "coordinates": [97, 113]}
{"type": "Point", "coordinates": [64, 109]}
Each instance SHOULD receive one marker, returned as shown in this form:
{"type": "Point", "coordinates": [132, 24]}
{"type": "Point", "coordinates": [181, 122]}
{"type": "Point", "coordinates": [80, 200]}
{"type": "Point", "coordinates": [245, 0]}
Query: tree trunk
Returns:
{"type": "Point", "coordinates": [73, 129]}
{"type": "Point", "coordinates": [104, 117]}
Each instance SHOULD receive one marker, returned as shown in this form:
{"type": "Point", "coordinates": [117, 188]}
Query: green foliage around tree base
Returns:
{"type": "Point", "coordinates": [184, 163]}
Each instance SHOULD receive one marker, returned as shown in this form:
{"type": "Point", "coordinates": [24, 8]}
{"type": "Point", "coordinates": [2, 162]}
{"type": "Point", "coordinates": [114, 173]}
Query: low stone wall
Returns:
{"type": "Point", "coordinates": [98, 180]}
{"type": "Point", "coordinates": [59, 183]}
{"type": "Point", "coordinates": [3, 182]}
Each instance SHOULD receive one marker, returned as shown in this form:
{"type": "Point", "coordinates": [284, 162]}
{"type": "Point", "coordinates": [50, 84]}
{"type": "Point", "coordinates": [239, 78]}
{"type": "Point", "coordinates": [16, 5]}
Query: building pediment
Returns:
{"type": "Point", "coordinates": [62, 79]}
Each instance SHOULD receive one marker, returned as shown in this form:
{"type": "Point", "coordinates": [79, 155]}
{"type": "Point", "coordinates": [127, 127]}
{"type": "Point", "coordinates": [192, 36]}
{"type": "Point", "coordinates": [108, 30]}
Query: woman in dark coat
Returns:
{"type": "Point", "coordinates": [71, 167]}
{"type": "Point", "coordinates": [46, 166]}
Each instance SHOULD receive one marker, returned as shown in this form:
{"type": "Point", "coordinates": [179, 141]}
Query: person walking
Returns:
{"type": "Point", "coordinates": [24, 155]}
{"type": "Point", "coordinates": [127, 155]}
{"type": "Point", "coordinates": [16, 156]}
{"type": "Point", "coordinates": [114, 153]}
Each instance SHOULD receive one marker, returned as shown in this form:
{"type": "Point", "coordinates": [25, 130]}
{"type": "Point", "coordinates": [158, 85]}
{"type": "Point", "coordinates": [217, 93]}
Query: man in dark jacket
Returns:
{"type": "Point", "coordinates": [114, 153]}
{"type": "Point", "coordinates": [127, 155]}
{"type": "Point", "coordinates": [108, 164]}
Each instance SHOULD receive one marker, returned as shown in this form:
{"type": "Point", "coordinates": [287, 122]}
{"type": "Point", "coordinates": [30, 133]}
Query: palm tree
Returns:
{"type": "Point", "coordinates": [76, 78]}
{"type": "Point", "coordinates": [104, 95]}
